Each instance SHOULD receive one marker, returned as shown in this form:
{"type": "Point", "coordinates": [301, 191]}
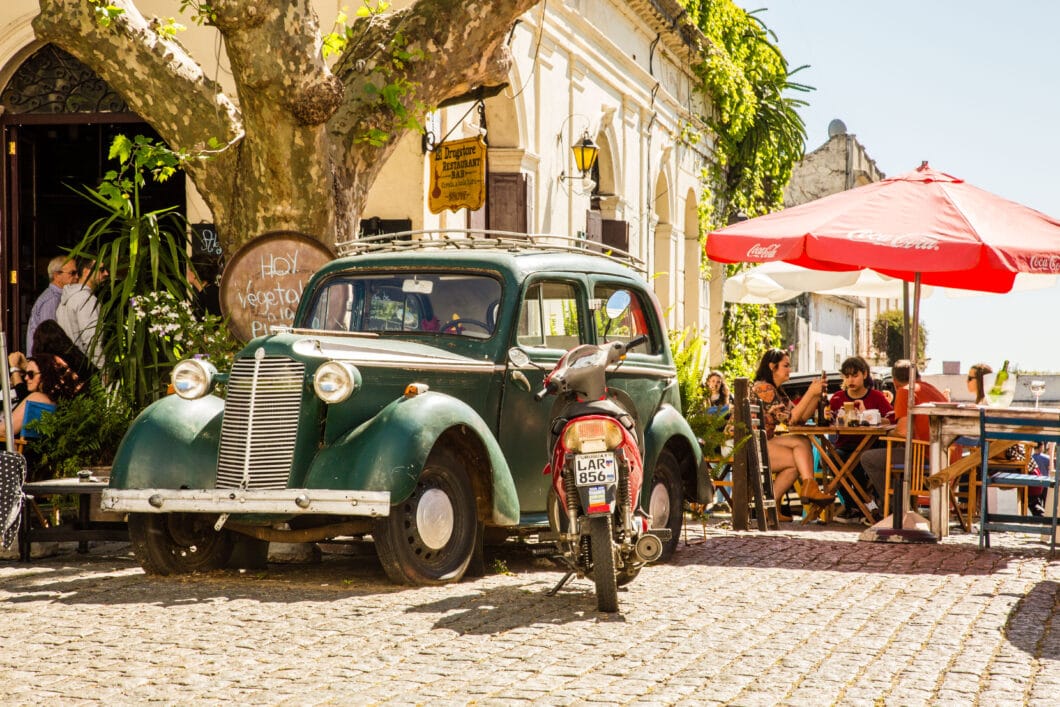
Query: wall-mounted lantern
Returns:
{"type": "Point", "coordinates": [585, 151]}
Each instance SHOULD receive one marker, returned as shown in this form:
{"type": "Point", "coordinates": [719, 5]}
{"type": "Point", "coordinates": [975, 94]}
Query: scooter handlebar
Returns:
{"type": "Point", "coordinates": [540, 395]}
{"type": "Point", "coordinates": [636, 341]}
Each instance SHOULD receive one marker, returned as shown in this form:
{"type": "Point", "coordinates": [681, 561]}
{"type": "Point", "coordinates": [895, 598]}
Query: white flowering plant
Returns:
{"type": "Point", "coordinates": [179, 333]}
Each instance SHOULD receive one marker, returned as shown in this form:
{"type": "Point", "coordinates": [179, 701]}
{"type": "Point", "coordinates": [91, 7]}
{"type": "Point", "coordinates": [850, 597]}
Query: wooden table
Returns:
{"type": "Point", "coordinates": [82, 530]}
{"type": "Point", "coordinates": [840, 470]}
{"type": "Point", "coordinates": [948, 421]}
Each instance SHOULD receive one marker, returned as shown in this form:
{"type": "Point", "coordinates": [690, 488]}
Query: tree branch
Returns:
{"type": "Point", "coordinates": [460, 45]}
{"type": "Point", "coordinates": [276, 52]}
{"type": "Point", "coordinates": [155, 76]}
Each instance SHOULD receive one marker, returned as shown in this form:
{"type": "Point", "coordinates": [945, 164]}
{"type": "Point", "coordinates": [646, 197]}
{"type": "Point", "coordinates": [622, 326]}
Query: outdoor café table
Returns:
{"type": "Point", "coordinates": [834, 464]}
{"type": "Point", "coordinates": [948, 421]}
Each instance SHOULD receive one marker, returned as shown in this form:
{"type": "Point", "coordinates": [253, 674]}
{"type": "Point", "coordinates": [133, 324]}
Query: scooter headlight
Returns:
{"type": "Point", "coordinates": [193, 378]}
{"type": "Point", "coordinates": [599, 435]}
{"type": "Point", "coordinates": [335, 381]}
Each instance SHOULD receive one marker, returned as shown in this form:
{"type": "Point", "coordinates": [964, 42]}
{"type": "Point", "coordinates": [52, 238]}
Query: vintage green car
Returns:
{"type": "Point", "coordinates": [391, 409]}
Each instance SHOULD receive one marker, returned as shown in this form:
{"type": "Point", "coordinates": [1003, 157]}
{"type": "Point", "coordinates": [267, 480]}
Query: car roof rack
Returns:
{"type": "Point", "coordinates": [466, 238]}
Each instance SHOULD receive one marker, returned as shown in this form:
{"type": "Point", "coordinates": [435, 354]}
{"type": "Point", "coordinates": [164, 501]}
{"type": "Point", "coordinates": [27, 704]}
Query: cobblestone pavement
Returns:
{"type": "Point", "coordinates": [800, 617]}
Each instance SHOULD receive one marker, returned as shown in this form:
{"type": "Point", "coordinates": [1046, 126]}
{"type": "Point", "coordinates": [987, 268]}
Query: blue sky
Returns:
{"type": "Point", "coordinates": [971, 86]}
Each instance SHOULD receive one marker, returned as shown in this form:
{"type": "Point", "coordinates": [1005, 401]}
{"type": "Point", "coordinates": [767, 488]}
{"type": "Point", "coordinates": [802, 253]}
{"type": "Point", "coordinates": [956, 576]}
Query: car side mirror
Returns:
{"type": "Point", "coordinates": [517, 357]}
{"type": "Point", "coordinates": [617, 304]}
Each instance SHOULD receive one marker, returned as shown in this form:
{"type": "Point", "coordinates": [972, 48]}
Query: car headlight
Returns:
{"type": "Point", "coordinates": [335, 381]}
{"type": "Point", "coordinates": [193, 378]}
{"type": "Point", "coordinates": [592, 435]}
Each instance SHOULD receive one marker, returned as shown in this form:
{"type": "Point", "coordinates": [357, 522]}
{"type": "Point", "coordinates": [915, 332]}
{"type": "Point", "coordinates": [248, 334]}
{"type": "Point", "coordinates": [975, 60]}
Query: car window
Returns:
{"type": "Point", "coordinates": [633, 322]}
{"type": "Point", "coordinates": [549, 316]}
{"type": "Point", "coordinates": [455, 304]}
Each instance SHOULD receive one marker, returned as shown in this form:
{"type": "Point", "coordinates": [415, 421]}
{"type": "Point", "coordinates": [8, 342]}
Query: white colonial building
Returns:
{"type": "Point", "coordinates": [616, 71]}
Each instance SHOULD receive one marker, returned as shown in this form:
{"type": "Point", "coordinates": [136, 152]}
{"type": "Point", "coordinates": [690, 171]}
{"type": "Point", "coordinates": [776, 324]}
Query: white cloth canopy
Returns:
{"type": "Point", "coordinates": [778, 281]}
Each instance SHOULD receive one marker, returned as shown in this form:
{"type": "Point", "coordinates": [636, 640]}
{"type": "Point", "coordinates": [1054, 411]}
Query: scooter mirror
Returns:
{"type": "Point", "coordinates": [617, 304]}
{"type": "Point", "coordinates": [518, 357]}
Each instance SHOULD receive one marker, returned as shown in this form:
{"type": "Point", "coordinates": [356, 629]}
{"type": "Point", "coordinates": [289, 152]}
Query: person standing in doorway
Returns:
{"type": "Point", "coordinates": [78, 310]}
{"type": "Point", "coordinates": [62, 271]}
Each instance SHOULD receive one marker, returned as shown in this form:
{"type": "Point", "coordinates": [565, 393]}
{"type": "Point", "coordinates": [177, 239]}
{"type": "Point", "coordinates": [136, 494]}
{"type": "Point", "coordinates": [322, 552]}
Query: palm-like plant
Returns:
{"type": "Point", "coordinates": [145, 252]}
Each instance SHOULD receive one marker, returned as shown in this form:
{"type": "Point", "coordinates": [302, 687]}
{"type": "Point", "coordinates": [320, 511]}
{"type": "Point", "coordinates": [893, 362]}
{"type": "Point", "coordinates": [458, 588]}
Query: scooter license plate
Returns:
{"type": "Point", "coordinates": [595, 468]}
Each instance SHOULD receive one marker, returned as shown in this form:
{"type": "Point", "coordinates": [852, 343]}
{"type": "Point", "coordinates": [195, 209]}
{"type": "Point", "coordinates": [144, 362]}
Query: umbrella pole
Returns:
{"type": "Point", "coordinates": [898, 533]}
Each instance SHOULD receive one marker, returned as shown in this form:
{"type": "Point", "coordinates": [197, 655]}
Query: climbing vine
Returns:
{"type": "Point", "coordinates": [758, 138]}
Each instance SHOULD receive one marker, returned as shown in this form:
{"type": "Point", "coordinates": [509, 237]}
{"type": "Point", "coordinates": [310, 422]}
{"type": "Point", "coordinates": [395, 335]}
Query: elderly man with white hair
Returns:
{"type": "Point", "coordinates": [62, 271]}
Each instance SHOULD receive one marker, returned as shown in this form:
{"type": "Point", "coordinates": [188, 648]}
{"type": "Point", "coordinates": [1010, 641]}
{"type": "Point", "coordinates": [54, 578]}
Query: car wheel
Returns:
{"type": "Point", "coordinates": [666, 501]}
{"type": "Point", "coordinates": [178, 543]}
{"type": "Point", "coordinates": [429, 537]}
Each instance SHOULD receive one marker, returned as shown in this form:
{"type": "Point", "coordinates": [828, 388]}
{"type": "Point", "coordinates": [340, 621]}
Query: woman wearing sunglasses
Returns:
{"type": "Point", "coordinates": [47, 380]}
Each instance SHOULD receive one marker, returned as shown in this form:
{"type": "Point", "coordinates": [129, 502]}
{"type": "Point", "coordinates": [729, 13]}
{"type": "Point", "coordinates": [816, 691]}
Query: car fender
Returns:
{"type": "Point", "coordinates": [147, 456]}
{"type": "Point", "coordinates": [668, 424]}
{"type": "Point", "coordinates": [388, 452]}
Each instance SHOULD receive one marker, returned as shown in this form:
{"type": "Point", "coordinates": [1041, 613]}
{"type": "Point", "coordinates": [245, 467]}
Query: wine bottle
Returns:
{"type": "Point", "coordinates": [999, 380]}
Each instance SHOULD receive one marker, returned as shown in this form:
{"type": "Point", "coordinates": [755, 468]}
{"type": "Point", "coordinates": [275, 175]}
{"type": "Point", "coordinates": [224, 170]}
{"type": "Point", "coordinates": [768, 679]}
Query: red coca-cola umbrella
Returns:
{"type": "Point", "coordinates": [922, 227]}
{"type": "Point", "coordinates": [924, 223]}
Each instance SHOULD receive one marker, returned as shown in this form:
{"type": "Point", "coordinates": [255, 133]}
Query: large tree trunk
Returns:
{"type": "Point", "coordinates": [293, 153]}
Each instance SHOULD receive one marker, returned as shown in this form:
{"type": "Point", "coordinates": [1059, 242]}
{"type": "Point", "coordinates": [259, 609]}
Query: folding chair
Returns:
{"type": "Point", "coordinates": [993, 425]}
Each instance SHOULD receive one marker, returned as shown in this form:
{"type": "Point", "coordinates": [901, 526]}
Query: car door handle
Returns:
{"type": "Point", "coordinates": [521, 380]}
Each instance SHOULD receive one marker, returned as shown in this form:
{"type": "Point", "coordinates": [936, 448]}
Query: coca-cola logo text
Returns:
{"type": "Point", "coordinates": [907, 241]}
{"type": "Point", "coordinates": [1045, 263]}
{"type": "Point", "coordinates": [763, 251]}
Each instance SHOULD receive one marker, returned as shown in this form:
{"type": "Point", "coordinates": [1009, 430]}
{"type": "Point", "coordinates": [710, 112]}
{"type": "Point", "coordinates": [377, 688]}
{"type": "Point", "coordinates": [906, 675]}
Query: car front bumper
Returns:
{"type": "Point", "coordinates": [267, 501]}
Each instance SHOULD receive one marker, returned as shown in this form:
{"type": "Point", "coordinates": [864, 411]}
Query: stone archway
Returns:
{"type": "Point", "coordinates": [58, 121]}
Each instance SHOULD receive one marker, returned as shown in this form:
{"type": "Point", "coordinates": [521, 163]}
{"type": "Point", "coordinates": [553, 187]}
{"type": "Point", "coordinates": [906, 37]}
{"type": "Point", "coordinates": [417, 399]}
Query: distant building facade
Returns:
{"type": "Point", "coordinates": [825, 329]}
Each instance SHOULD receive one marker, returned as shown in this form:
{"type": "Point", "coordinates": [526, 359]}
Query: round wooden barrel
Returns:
{"type": "Point", "coordinates": [264, 281]}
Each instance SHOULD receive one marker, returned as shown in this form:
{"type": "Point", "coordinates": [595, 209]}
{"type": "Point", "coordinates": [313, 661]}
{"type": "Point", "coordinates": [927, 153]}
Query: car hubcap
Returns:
{"type": "Point", "coordinates": [659, 506]}
{"type": "Point", "coordinates": [434, 518]}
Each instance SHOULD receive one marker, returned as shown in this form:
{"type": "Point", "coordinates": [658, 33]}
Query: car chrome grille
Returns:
{"type": "Point", "coordinates": [262, 409]}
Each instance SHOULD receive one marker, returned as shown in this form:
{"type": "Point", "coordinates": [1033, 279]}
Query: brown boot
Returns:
{"type": "Point", "coordinates": [781, 518]}
{"type": "Point", "coordinates": [812, 493]}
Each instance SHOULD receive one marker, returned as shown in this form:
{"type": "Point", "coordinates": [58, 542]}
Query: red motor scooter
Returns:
{"type": "Point", "coordinates": [597, 471]}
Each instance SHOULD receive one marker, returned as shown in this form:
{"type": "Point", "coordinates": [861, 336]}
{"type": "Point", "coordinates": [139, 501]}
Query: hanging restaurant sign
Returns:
{"type": "Point", "coordinates": [458, 175]}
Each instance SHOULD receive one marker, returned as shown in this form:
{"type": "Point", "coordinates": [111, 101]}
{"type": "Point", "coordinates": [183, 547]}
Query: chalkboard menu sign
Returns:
{"type": "Point", "coordinates": [263, 282]}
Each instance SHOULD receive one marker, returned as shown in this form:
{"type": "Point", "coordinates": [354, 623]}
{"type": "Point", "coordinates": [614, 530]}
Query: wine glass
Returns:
{"type": "Point", "coordinates": [1037, 387]}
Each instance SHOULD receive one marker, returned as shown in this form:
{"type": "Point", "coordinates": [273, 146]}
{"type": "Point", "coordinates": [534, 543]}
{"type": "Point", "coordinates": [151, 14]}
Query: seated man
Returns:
{"type": "Point", "coordinates": [874, 461]}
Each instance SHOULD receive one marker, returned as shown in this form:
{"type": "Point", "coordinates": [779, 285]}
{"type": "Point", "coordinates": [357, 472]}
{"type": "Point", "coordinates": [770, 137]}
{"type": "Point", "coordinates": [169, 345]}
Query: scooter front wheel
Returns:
{"type": "Point", "coordinates": [603, 563]}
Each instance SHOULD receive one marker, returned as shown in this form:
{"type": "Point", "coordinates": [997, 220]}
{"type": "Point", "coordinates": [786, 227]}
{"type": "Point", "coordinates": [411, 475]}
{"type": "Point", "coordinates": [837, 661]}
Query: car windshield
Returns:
{"type": "Point", "coordinates": [455, 304]}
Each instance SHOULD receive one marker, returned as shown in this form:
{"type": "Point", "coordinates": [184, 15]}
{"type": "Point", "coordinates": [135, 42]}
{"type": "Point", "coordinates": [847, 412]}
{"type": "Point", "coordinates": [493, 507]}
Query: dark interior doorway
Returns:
{"type": "Point", "coordinates": [48, 163]}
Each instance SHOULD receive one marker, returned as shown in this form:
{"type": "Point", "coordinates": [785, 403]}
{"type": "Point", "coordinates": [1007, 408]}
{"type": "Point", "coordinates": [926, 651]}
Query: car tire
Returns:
{"type": "Point", "coordinates": [429, 537]}
{"type": "Point", "coordinates": [178, 543]}
{"type": "Point", "coordinates": [666, 501]}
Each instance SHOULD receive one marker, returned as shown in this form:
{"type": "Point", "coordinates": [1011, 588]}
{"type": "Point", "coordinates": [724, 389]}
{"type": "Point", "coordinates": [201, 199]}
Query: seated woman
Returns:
{"type": "Point", "coordinates": [859, 389]}
{"type": "Point", "coordinates": [48, 380]}
{"type": "Point", "coordinates": [38, 386]}
{"type": "Point", "coordinates": [790, 456]}
{"type": "Point", "coordinates": [718, 397]}
{"type": "Point", "coordinates": [50, 339]}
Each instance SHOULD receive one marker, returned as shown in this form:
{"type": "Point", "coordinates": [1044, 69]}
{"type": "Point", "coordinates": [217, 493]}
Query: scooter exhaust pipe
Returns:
{"type": "Point", "coordinates": [648, 548]}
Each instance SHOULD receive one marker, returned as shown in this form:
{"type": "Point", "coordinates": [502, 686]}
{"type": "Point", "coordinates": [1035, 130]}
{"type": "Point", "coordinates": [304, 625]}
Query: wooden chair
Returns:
{"type": "Point", "coordinates": [719, 467]}
{"type": "Point", "coordinates": [994, 426]}
{"type": "Point", "coordinates": [919, 491]}
{"type": "Point", "coordinates": [968, 494]}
